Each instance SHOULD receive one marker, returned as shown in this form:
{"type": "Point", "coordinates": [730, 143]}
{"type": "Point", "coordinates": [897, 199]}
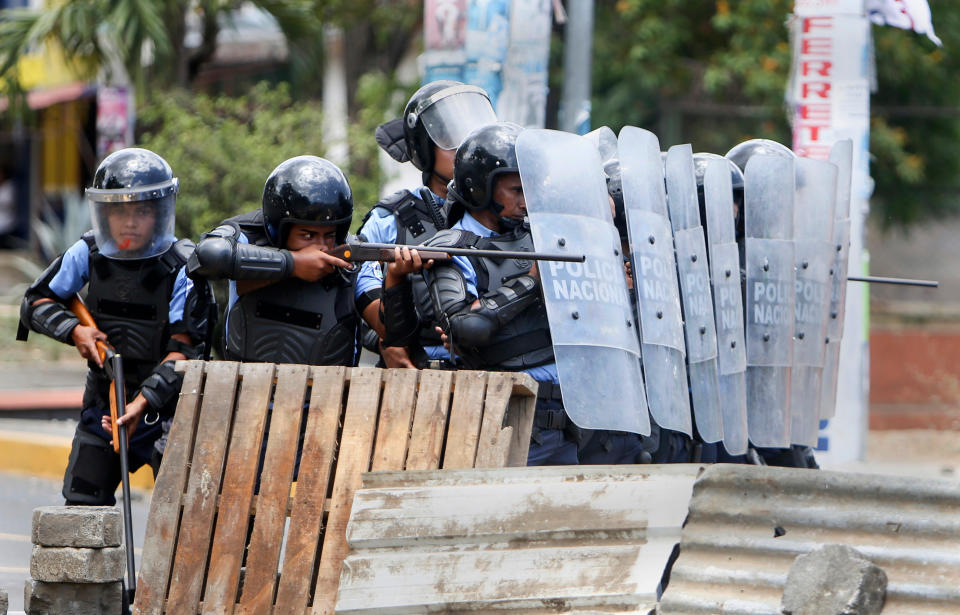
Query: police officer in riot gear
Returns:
{"type": "Point", "coordinates": [602, 447]}
{"type": "Point", "coordinates": [144, 305]}
{"type": "Point", "coordinates": [290, 301]}
{"type": "Point", "coordinates": [795, 456]}
{"type": "Point", "coordinates": [492, 309]}
{"type": "Point", "coordinates": [435, 120]}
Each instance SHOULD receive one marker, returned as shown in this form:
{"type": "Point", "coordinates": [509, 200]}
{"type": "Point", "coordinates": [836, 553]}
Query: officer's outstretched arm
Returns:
{"type": "Point", "coordinates": [474, 323]}
{"type": "Point", "coordinates": [220, 255]}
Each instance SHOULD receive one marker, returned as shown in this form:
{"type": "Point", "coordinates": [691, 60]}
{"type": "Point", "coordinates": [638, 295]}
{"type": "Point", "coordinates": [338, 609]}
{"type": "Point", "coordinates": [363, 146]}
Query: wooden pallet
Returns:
{"type": "Point", "coordinates": [208, 524]}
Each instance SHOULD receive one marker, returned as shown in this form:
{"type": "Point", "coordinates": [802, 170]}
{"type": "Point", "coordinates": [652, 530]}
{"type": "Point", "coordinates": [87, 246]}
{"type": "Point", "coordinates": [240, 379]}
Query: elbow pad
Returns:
{"type": "Point", "coordinates": [507, 302]}
{"type": "Point", "coordinates": [49, 318]}
{"type": "Point", "coordinates": [219, 255]}
{"type": "Point", "coordinates": [399, 315]}
{"type": "Point", "coordinates": [161, 387]}
{"type": "Point", "coordinates": [497, 308]}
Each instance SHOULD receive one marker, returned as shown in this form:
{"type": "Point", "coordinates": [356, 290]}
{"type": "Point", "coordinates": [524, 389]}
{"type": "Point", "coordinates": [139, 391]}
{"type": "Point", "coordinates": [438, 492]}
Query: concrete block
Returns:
{"type": "Point", "coordinates": [77, 526]}
{"type": "Point", "coordinates": [68, 565]}
{"type": "Point", "coordinates": [834, 580]}
{"type": "Point", "coordinates": [75, 598]}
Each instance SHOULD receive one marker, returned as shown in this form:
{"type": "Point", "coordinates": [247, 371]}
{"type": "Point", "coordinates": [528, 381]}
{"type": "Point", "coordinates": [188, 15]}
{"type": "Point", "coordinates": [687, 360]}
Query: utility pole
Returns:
{"type": "Point", "coordinates": [577, 59]}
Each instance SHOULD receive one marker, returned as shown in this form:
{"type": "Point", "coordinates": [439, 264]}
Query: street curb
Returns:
{"type": "Point", "coordinates": [46, 456]}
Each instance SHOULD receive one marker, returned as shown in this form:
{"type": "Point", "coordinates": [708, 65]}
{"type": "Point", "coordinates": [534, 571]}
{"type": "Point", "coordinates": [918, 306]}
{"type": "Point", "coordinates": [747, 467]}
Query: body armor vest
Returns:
{"type": "Point", "coordinates": [130, 300]}
{"type": "Point", "coordinates": [525, 341]}
{"type": "Point", "coordinates": [419, 215]}
{"type": "Point", "coordinates": [293, 321]}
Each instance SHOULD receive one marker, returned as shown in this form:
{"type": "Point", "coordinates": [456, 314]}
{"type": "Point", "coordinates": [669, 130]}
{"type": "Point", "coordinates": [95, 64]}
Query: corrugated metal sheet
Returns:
{"type": "Point", "coordinates": [732, 560]}
{"type": "Point", "coordinates": [533, 540]}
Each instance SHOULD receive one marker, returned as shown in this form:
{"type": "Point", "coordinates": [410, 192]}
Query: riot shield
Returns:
{"type": "Point", "coordinates": [588, 304]}
{"type": "Point", "coordinates": [769, 186]}
{"type": "Point", "coordinates": [655, 279]}
{"type": "Point", "coordinates": [842, 156]}
{"type": "Point", "coordinates": [728, 305]}
{"type": "Point", "coordinates": [813, 233]}
{"type": "Point", "coordinates": [696, 297]}
{"type": "Point", "coordinates": [605, 142]}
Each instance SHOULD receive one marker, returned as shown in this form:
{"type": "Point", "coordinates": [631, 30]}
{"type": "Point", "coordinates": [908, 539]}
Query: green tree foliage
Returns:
{"type": "Point", "coordinates": [713, 73]}
{"type": "Point", "coordinates": [223, 148]}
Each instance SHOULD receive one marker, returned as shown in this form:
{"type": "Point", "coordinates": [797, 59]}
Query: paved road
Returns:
{"type": "Point", "coordinates": [19, 495]}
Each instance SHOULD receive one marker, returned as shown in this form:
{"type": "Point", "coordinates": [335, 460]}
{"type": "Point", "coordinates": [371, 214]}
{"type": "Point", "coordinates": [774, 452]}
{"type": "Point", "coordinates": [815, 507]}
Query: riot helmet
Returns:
{"type": "Point", "coordinates": [132, 204]}
{"type": "Point", "coordinates": [487, 152]}
{"type": "Point", "coordinates": [615, 189]}
{"type": "Point", "coordinates": [702, 159]}
{"type": "Point", "coordinates": [442, 113]}
{"type": "Point", "coordinates": [739, 155]}
{"type": "Point", "coordinates": [742, 152]}
{"type": "Point", "coordinates": [306, 190]}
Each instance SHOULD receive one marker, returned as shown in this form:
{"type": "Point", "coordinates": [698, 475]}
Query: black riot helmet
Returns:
{"type": "Point", "coordinates": [442, 114]}
{"type": "Point", "coordinates": [306, 190]}
{"type": "Point", "coordinates": [486, 153]}
{"type": "Point", "coordinates": [132, 204]}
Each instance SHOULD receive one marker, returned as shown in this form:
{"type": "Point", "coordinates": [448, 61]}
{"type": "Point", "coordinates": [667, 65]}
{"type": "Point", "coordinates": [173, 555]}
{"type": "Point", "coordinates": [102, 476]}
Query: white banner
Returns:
{"type": "Point", "coordinates": [907, 14]}
{"type": "Point", "coordinates": [829, 96]}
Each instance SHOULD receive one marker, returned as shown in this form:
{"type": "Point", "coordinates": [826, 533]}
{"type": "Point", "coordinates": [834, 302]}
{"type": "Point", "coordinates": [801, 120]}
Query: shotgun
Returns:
{"type": "Point", "coordinates": [358, 252]}
{"type": "Point", "coordinates": [113, 364]}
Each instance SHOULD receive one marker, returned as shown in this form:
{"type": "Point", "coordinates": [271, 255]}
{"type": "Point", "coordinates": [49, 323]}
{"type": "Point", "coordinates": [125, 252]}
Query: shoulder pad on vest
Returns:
{"type": "Point", "coordinates": [251, 225]}
{"type": "Point", "coordinates": [452, 238]}
{"type": "Point", "coordinates": [90, 239]}
{"type": "Point", "coordinates": [181, 250]}
{"type": "Point", "coordinates": [392, 201]}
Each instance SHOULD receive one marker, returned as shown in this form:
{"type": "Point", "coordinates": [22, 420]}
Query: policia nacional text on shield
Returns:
{"type": "Point", "coordinates": [588, 304]}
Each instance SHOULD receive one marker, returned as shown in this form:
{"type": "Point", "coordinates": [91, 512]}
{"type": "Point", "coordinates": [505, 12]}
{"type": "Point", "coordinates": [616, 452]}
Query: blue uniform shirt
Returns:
{"type": "Point", "coordinates": [381, 227]}
{"type": "Point", "coordinates": [542, 373]}
{"type": "Point", "coordinates": [75, 273]}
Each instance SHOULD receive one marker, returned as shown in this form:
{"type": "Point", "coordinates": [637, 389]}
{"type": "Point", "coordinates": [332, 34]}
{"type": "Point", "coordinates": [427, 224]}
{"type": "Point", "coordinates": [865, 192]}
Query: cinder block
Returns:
{"type": "Point", "coordinates": [834, 580]}
{"type": "Point", "coordinates": [77, 526]}
{"type": "Point", "coordinates": [68, 565]}
{"type": "Point", "coordinates": [75, 598]}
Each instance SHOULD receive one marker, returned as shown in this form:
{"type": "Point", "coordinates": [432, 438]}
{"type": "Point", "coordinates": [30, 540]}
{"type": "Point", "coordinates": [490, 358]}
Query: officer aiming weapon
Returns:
{"type": "Point", "coordinates": [357, 252]}
{"type": "Point", "coordinates": [113, 364]}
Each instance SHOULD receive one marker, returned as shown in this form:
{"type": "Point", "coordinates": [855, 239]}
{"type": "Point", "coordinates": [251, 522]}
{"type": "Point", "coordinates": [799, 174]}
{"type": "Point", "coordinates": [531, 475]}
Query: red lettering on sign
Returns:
{"type": "Point", "coordinates": [812, 88]}
{"type": "Point", "coordinates": [814, 130]}
{"type": "Point", "coordinates": [817, 67]}
{"type": "Point", "coordinates": [810, 23]}
{"type": "Point", "coordinates": [816, 46]}
{"type": "Point", "coordinates": [818, 112]}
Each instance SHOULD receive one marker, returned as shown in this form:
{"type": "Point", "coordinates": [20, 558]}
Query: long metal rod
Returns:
{"type": "Point", "coordinates": [900, 281]}
{"type": "Point", "coordinates": [125, 479]}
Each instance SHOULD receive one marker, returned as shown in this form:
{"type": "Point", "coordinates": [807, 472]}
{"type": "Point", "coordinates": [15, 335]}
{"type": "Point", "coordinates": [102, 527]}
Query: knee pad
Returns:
{"type": "Point", "coordinates": [93, 472]}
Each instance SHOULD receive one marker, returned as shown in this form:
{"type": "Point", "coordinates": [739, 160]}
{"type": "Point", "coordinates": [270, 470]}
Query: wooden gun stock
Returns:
{"type": "Point", "coordinates": [80, 310]}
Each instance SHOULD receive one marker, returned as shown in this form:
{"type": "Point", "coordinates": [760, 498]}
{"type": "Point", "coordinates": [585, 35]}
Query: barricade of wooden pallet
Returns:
{"type": "Point", "coordinates": [213, 515]}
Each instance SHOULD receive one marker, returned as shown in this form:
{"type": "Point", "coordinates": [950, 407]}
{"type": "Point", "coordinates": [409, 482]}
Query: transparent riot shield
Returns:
{"type": "Point", "coordinates": [842, 156]}
{"type": "Point", "coordinates": [813, 233]}
{"type": "Point", "coordinates": [605, 141]}
{"type": "Point", "coordinates": [655, 279]}
{"type": "Point", "coordinates": [696, 297]}
{"type": "Point", "coordinates": [588, 304]}
{"type": "Point", "coordinates": [728, 305]}
{"type": "Point", "coordinates": [769, 186]}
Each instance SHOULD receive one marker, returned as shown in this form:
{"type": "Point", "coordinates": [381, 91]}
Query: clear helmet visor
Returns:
{"type": "Point", "coordinates": [133, 229]}
{"type": "Point", "coordinates": [450, 119]}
